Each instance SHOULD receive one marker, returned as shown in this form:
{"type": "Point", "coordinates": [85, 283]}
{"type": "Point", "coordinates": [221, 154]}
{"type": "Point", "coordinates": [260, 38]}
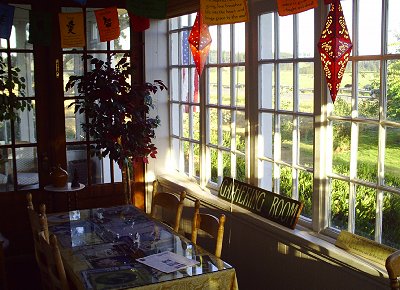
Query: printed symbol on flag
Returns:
{"type": "Point", "coordinates": [70, 26]}
{"type": "Point", "coordinates": [107, 22]}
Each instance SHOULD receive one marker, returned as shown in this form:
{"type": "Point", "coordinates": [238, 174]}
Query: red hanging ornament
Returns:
{"type": "Point", "coordinates": [200, 42]}
{"type": "Point", "coordinates": [334, 47]}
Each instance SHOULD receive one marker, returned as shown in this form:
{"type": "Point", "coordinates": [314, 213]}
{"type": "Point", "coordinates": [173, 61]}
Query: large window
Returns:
{"type": "Point", "coordinates": [90, 169]}
{"type": "Point", "coordinates": [283, 133]}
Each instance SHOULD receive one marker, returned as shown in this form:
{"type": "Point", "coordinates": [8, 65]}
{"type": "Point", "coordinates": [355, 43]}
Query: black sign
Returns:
{"type": "Point", "coordinates": [275, 207]}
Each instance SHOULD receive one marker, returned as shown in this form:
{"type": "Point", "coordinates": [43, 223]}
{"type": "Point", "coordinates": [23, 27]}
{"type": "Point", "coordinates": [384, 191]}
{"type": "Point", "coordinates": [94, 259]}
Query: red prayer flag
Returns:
{"type": "Point", "coordinates": [139, 23]}
{"type": "Point", "coordinates": [200, 42]}
{"type": "Point", "coordinates": [334, 47]}
{"type": "Point", "coordinates": [108, 23]}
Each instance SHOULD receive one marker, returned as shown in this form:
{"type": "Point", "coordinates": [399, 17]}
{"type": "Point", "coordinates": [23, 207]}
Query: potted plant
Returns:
{"type": "Point", "coordinates": [117, 113]}
{"type": "Point", "coordinates": [12, 90]}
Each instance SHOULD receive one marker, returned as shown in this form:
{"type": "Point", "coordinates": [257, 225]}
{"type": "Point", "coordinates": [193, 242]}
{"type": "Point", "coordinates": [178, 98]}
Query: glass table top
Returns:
{"type": "Point", "coordinates": [100, 246]}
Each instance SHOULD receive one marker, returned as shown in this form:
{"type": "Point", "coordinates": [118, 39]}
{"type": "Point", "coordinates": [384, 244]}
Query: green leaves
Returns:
{"type": "Point", "coordinates": [12, 90]}
{"type": "Point", "coordinates": [117, 110]}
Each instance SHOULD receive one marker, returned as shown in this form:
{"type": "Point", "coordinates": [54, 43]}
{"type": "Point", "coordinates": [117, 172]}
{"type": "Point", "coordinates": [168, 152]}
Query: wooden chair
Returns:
{"type": "Point", "coordinates": [37, 225]}
{"type": "Point", "coordinates": [170, 203]}
{"type": "Point", "coordinates": [209, 224]}
{"type": "Point", "coordinates": [50, 263]}
{"type": "Point", "coordinates": [393, 268]}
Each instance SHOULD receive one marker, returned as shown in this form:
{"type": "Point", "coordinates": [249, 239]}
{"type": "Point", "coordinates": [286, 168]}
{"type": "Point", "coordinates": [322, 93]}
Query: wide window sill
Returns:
{"type": "Point", "coordinates": [311, 243]}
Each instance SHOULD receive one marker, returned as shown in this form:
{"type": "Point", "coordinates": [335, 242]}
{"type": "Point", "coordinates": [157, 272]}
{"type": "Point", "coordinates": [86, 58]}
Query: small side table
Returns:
{"type": "Point", "coordinates": [66, 189]}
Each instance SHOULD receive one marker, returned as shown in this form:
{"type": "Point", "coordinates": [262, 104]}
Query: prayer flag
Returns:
{"type": "Point", "coordinates": [108, 23]}
{"type": "Point", "coordinates": [155, 9]}
{"type": "Point", "coordinates": [40, 27]}
{"type": "Point", "coordinates": [139, 23]}
{"type": "Point", "coordinates": [287, 7]}
{"type": "Point", "coordinates": [71, 30]}
{"type": "Point", "coordinates": [6, 20]}
{"type": "Point", "coordinates": [224, 12]}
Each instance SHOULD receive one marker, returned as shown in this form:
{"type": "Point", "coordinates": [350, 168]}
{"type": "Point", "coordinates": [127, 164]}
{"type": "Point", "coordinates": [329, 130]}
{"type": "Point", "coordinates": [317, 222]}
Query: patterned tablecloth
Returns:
{"type": "Point", "coordinates": [100, 247]}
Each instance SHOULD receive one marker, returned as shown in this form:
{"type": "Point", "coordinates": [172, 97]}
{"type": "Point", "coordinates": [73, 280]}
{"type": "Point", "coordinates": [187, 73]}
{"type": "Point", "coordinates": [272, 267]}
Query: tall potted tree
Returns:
{"type": "Point", "coordinates": [117, 114]}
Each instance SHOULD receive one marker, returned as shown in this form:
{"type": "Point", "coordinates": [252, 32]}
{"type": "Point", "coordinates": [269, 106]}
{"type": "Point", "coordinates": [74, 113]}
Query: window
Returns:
{"type": "Point", "coordinates": [90, 170]}
{"type": "Point", "coordinates": [18, 143]}
{"type": "Point", "coordinates": [283, 133]}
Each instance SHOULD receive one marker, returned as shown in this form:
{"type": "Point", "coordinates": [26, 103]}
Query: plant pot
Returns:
{"type": "Point", "coordinates": [59, 177]}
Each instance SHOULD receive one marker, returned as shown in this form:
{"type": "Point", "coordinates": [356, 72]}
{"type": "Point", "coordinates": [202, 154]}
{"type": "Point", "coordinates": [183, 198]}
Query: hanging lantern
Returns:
{"type": "Point", "coordinates": [334, 47]}
{"type": "Point", "coordinates": [200, 42]}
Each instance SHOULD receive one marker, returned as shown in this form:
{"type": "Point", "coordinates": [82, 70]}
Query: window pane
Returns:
{"type": "Point", "coordinates": [306, 36]}
{"type": "Point", "coordinates": [305, 192]}
{"type": "Point", "coordinates": [286, 181]}
{"type": "Point", "coordinates": [5, 132]}
{"type": "Point", "coordinates": [195, 86]}
{"type": "Point", "coordinates": [286, 86]}
{"type": "Point", "coordinates": [174, 84]}
{"type": "Point", "coordinates": [367, 166]}
{"type": "Point", "coordinates": [393, 91]}
{"type": "Point", "coordinates": [185, 121]}
{"type": "Point", "coordinates": [286, 138]}
{"type": "Point", "coordinates": [213, 126]}
{"type": "Point", "coordinates": [174, 44]}
{"type": "Point", "coordinates": [393, 45]}
{"type": "Point", "coordinates": [226, 86]}
{"type": "Point", "coordinates": [391, 220]}
{"type": "Point", "coordinates": [175, 153]}
{"type": "Point", "coordinates": [175, 119]}
{"type": "Point", "coordinates": [25, 129]}
{"type": "Point", "coordinates": [77, 165]}
{"type": "Point", "coordinates": [342, 105]}
{"type": "Point", "coordinates": [370, 19]}
{"type": "Point", "coordinates": [306, 87]}
{"type": "Point", "coordinates": [392, 157]}
{"type": "Point", "coordinates": [226, 128]}
{"type": "Point", "coordinates": [214, 165]}
{"type": "Point", "coordinates": [240, 85]}
{"type": "Point", "coordinates": [306, 128]}
{"type": "Point", "coordinates": [196, 159]}
{"type": "Point", "coordinates": [72, 66]}
{"type": "Point", "coordinates": [286, 37]}
{"type": "Point", "coordinates": [185, 85]}
{"type": "Point", "coordinates": [339, 204]}
{"type": "Point", "coordinates": [240, 131]}
{"type": "Point", "coordinates": [368, 89]}
{"type": "Point", "coordinates": [213, 54]}
{"type": "Point", "coordinates": [241, 168]}
{"type": "Point", "coordinates": [27, 168]}
{"type": "Point", "coordinates": [365, 211]}
{"type": "Point", "coordinates": [186, 152]}
{"type": "Point", "coordinates": [240, 52]}
{"type": "Point", "coordinates": [196, 122]}
{"type": "Point", "coordinates": [225, 43]}
{"type": "Point", "coordinates": [226, 166]}
{"type": "Point", "coordinates": [124, 39]}
{"type": "Point", "coordinates": [341, 147]}
{"type": "Point", "coordinates": [73, 123]}
{"type": "Point", "coordinates": [212, 85]}
{"type": "Point", "coordinates": [267, 86]}
{"type": "Point", "coordinates": [266, 136]}
{"type": "Point", "coordinates": [266, 38]}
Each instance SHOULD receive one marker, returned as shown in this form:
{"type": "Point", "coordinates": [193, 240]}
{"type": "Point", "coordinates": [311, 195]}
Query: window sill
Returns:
{"type": "Point", "coordinates": [301, 238]}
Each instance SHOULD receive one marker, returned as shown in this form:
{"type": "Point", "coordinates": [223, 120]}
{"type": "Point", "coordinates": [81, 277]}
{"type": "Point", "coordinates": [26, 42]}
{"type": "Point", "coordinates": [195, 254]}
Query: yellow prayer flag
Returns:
{"type": "Point", "coordinates": [287, 7]}
{"type": "Point", "coordinates": [217, 12]}
{"type": "Point", "coordinates": [71, 30]}
{"type": "Point", "coordinates": [108, 23]}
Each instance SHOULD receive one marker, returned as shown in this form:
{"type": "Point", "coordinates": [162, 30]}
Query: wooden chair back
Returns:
{"type": "Point", "coordinates": [211, 225]}
{"type": "Point", "coordinates": [393, 268]}
{"type": "Point", "coordinates": [37, 224]}
{"type": "Point", "coordinates": [50, 263]}
{"type": "Point", "coordinates": [168, 202]}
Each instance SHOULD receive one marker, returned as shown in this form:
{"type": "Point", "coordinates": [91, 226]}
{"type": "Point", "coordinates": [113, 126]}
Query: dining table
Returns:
{"type": "Point", "coordinates": [122, 247]}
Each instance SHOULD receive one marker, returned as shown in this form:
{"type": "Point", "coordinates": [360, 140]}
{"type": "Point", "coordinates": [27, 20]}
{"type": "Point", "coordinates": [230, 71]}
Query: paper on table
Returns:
{"type": "Point", "coordinates": [167, 262]}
